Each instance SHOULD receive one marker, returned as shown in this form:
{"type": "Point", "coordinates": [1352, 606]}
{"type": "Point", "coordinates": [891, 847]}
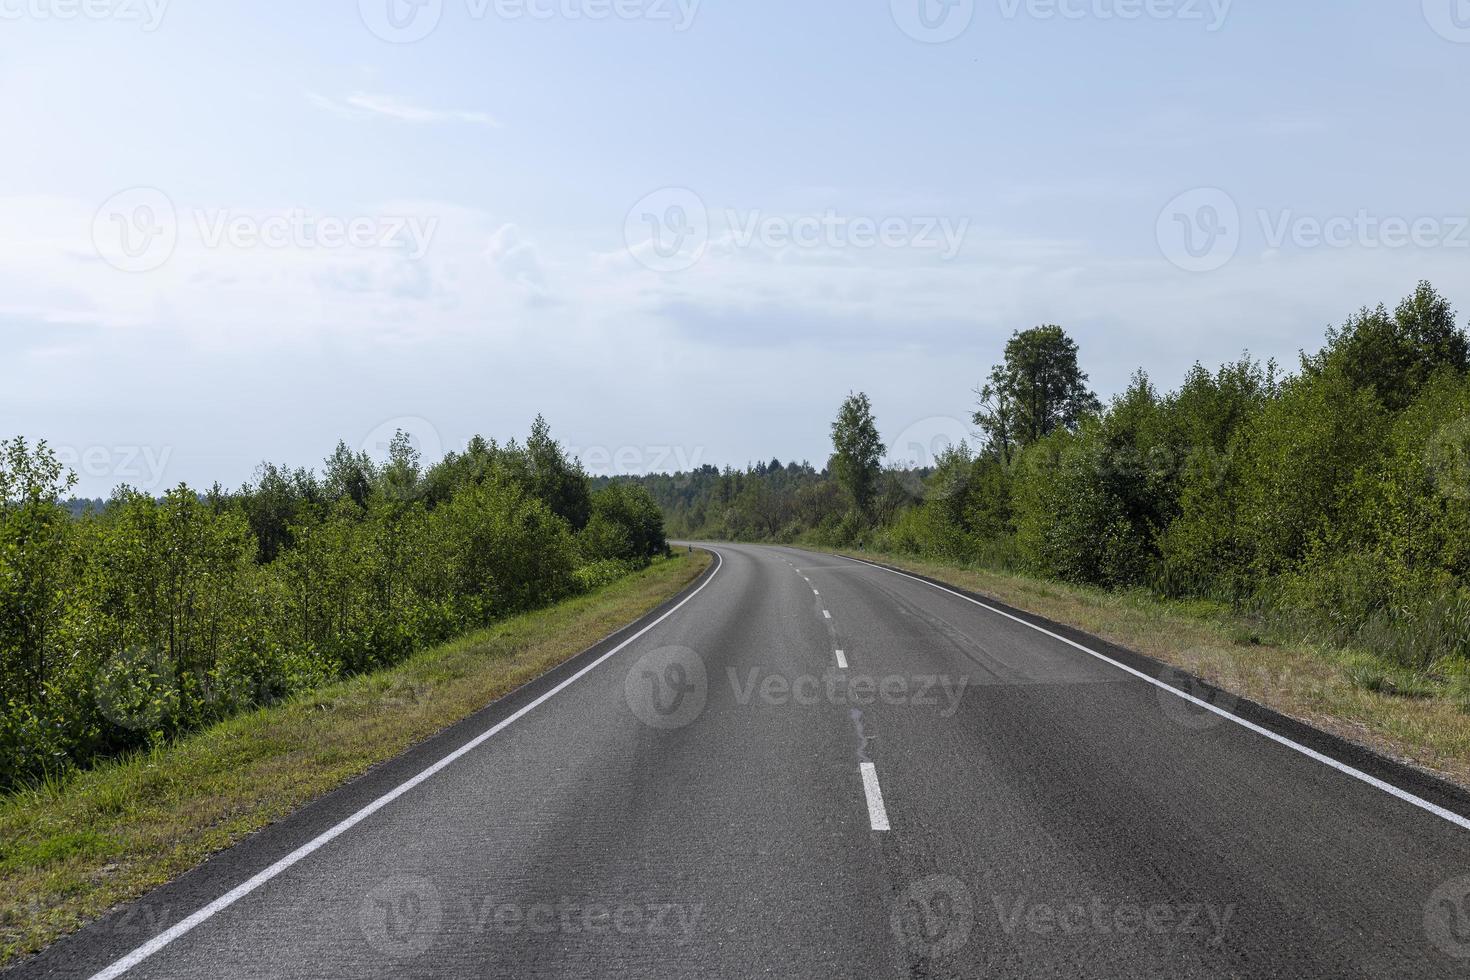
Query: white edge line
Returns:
{"type": "Point", "coordinates": [877, 814]}
{"type": "Point", "coordinates": [841, 660]}
{"type": "Point", "coordinates": [1326, 760]}
{"type": "Point", "coordinates": [245, 888]}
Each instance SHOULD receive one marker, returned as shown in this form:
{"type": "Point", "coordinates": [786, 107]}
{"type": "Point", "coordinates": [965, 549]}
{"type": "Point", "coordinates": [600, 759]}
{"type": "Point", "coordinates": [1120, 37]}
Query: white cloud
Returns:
{"type": "Point", "coordinates": [255, 291]}
{"type": "Point", "coordinates": [518, 260]}
{"type": "Point", "coordinates": [363, 105]}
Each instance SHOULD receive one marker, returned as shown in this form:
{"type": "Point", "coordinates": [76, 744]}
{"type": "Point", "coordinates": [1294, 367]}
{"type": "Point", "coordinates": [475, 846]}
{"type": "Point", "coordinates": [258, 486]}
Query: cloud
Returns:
{"type": "Point", "coordinates": [516, 259]}
{"type": "Point", "coordinates": [362, 105]}
{"type": "Point", "coordinates": [472, 274]}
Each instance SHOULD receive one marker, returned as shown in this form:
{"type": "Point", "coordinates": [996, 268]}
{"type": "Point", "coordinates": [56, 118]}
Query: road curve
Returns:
{"type": "Point", "coordinates": [819, 768]}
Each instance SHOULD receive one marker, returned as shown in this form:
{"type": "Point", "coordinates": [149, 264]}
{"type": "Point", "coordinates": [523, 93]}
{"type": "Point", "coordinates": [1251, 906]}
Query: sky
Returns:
{"type": "Point", "coordinates": [683, 231]}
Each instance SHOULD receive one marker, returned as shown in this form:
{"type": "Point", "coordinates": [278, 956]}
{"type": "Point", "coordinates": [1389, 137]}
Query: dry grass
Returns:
{"type": "Point", "coordinates": [1418, 720]}
{"type": "Point", "coordinates": [71, 851]}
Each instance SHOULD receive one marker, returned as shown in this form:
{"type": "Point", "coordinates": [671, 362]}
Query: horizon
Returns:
{"type": "Point", "coordinates": [917, 447]}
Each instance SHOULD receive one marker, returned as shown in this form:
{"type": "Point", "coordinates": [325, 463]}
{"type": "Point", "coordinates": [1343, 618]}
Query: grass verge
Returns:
{"type": "Point", "coordinates": [1422, 720]}
{"type": "Point", "coordinates": [72, 850]}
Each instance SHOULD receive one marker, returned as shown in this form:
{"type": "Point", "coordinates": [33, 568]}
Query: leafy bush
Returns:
{"type": "Point", "coordinates": [625, 525]}
{"type": "Point", "coordinates": [151, 617]}
{"type": "Point", "coordinates": [597, 574]}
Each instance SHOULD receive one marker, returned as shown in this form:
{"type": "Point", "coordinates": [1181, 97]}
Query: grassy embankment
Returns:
{"type": "Point", "coordinates": [1420, 719]}
{"type": "Point", "coordinates": [72, 850]}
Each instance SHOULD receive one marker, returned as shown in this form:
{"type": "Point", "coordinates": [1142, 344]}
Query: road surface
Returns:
{"type": "Point", "coordinates": [813, 767]}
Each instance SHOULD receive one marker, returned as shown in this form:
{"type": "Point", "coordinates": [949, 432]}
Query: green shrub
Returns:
{"type": "Point", "coordinates": [597, 574]}
{"type": "Point", "coordinates": [154, 616]}
{"type": "Point", "coordinates": [626, 525]}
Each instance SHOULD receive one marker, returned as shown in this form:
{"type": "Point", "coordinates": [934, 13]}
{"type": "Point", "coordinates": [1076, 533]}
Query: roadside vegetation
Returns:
{"type": "Point", "coordinates": [1351, 692]}
{"type": "Point", "coordinates": [123, 627]}
{"type": "Point", "coordinates": [72, 848]}
{"type": "Point", "coordinates": [1326, 507]}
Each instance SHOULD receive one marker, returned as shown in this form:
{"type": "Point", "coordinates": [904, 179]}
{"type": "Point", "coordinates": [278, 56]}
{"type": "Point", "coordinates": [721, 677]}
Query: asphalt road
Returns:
{"type": "Point", "coordinates": [954, 794]}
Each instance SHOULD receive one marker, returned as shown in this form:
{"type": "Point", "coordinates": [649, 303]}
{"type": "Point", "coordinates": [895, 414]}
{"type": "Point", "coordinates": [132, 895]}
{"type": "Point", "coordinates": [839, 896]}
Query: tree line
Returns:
{"type": "Point", "coordinates": [129, 623]}
{"type": "Point", "coordinates": [1334, 499]}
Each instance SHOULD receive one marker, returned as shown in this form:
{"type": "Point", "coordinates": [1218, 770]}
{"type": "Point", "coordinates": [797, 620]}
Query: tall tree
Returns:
{"type": "Point", "coordinates": [348, 476]}
{"type": "Point", "coordinates": [34, 532]}
{"type": "Point", "coordinates": [1038, 390]}
{"type": "Point", "coordinates": [857, 451]}
{"type": "Point", "coordinates": [560, 482]}
{"type": "Point", "coordinates": [401, 472]}
{"type": "Point", "coordinates": [1396, 355]}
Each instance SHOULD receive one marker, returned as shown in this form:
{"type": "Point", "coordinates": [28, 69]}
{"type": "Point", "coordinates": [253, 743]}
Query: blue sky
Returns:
{"type": "Point", "coordinates": [683, 231]}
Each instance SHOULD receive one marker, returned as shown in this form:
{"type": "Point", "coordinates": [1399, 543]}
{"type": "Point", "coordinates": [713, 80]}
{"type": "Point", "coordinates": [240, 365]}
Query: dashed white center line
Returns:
{"type": "Point", "coordinates": [841, 660]}
{"type": "Point", "coordinates": [826, 613]}
{"type": "Point", "coordinates": [877, 815]}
